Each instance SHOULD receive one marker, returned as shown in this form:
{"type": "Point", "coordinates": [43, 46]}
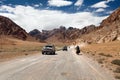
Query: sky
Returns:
{"type": "Point", "coordinates": [50, 14]}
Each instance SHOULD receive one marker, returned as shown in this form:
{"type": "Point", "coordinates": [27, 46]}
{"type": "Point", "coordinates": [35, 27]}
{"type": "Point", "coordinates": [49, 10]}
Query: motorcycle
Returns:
{"type": "Point", "coordinates": [77, 50]}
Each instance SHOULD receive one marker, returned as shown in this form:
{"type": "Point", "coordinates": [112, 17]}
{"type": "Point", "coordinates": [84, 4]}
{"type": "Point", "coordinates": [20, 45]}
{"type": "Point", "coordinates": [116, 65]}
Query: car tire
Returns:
{"type": "Point", "coordinates": [42, 53]}
{"type": "Point", "coordinates": [53, 53]}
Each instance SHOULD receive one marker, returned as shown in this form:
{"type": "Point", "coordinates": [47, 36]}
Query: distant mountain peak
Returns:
{"type": "Point", "coordinates": [61, 34]}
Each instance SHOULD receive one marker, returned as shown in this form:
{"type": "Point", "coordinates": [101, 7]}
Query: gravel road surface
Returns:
{"type": "Point", "coordinates": [65, 65]}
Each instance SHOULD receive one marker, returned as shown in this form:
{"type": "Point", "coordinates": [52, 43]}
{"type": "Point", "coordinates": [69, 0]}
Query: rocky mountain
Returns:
{"type": "Point", "coordinates": [109, 30]}
{"type": "Point", "coordinates": [62, 33]}
{"type": "Point", "coordinates": [111, 26]}
{"type": "Point", "coordinates": [9, 28]}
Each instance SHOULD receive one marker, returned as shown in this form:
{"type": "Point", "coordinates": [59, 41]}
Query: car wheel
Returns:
{"type": "Point", "coordinates": [53, 53]}
{"type": "Point", "coordinates": [42, 53]}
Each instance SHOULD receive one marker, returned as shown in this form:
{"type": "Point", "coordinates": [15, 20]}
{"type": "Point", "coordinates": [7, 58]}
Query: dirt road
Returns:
{"type": "Point", "coordinates": [64, 66]}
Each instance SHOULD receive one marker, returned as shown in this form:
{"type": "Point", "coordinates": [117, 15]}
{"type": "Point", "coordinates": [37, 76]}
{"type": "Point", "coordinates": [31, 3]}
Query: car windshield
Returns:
{"type": "Point", "coordinates": [48, 47]}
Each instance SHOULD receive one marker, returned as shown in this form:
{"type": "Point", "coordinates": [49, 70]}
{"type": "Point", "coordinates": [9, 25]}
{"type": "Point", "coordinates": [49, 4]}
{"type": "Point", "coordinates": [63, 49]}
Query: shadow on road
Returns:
{"type": "Point", "coordinates": [51, 54]}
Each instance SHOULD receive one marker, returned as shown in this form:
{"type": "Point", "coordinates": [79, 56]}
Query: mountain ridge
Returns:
{"type": "Point", "coordinates": [109, 30]}
{"type": "Point", "coordinates": [62, 33]}
{"type": "Point", "coordinates": [9, 28]}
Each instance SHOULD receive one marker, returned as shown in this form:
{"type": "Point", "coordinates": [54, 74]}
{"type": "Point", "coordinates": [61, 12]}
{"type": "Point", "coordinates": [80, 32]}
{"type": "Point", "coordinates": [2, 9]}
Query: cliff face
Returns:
{"type": "Point", "coordinates": [9, 28]}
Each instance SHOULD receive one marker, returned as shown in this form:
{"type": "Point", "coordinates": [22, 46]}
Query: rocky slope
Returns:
{"type": "Point", "coordinates": [111, 25]}
{"type": "Point", "coordinates": [9, 28]}
{"type": "Point", "coordinates": [109, 30]}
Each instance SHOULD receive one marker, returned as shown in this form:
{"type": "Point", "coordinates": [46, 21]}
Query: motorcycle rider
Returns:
{"type": "Point", "coordinates": [77, 50]}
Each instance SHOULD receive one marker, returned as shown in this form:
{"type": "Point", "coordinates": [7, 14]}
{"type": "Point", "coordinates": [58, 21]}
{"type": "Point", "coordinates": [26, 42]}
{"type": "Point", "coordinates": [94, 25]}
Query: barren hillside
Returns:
{"type": "Point", "coordinates": [108, 31]}
{"type": "Point", "coordinates": [9, 28]}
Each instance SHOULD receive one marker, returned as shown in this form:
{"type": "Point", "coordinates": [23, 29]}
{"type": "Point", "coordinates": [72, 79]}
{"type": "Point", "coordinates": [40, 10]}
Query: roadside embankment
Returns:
{"type": "Point", "coordinates": [107, 54]}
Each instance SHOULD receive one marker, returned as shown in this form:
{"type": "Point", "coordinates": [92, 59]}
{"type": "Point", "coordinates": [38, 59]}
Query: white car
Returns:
{"type": "Point", "coordinates": [48, 49]}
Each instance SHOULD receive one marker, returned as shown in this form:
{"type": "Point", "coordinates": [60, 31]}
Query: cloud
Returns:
{"type": "Point", "coordinates": [109, 12]}
{"type": "Point", "coordinates": [59, 3]}
{"type": "Point", "coordinates": [109, 1]}
{"type": "Point", "coordinates": [31, 18]}
{"type": "Point", "coordinates": [79, 3]}
{"type": "Point", "coordinates": [101, 4]}
{"type": "Point", "coordinates": [38, 5]}
{"type": "Point", "coordinates": [100, 10]}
